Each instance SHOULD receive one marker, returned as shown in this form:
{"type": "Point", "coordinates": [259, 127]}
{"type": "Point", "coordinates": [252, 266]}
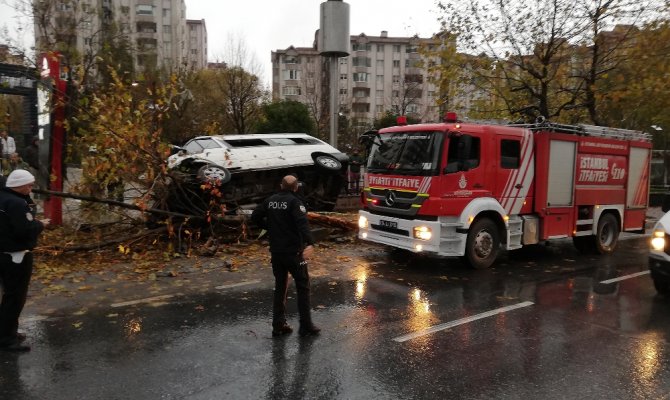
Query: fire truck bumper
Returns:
{"type": "Point", "coordinates": [431, 237]}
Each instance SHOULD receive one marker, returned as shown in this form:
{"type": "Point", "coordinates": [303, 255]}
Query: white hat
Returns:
{"type": "Point", "coordinates": [19, 177]}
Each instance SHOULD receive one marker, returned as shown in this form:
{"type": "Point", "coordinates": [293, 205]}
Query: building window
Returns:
{"type": "Point", "coordinates": [413, 63]}
{"type": "Point", "coordinates": [310, 60]}
{"type": "Point", "coordinates": [291, 74]}
{"type": "Point", "coordinates": [167, 29]}
{"type": "Point", "coordinates": [361, 93]}
{"type": "Point", "coordinates": [166, 13]}
{"type": "Point", "coordinates": [344, 61]}
{"type": "Point", "coordinates": [310, 75]}
{"type": "Point", "coordinates": [361, 46]}
{"type": "Point", "coordinates": [412, 49]}
{"type": "Point", "coordinates": [291, 91]}
{"type": "Point", "coordinates": [416, 78]}
{"type": "Point", "coordinates": [343, 91]}
{"type": "Point", "coordinates": [396, 93]}
{"type": "Point", "coordinates": [379, 108]}
{"type": "Point", "coordinates": [360, 108]}
{"type": "Point", "coordinates": [360, 76]}
{"type": "Point", "coordinates": [380, 64]}
{"type": "Point", "coordinates": [380, 78]}
{"type": "Point", "coordinates": [431, 94]}
{"type": "Point", "coordinates": [343, 77]}
{"type": "Point", "coordinates": [380, 93]}
{"type": "Point", "coordinates": [396, 78]}
{"type": "Point", "coordinates": [289, 60]}
{"type": "Point", "coordinates": [412, 109]}
{"type": "Point", "coordinates": [380, 48]}
{"type": "Point", "coordinates": [143, 9]}
{"type": "Point", "coordinates": [361, 62]}
{"type": "Point", "coordinates": [396, 48]}
{"type": "Point", "coordinates": [396, 63]}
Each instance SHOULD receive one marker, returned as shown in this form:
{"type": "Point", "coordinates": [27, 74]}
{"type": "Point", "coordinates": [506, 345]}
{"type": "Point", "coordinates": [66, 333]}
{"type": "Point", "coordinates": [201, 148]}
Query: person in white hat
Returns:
{"type": "Point", "coordinates": [19, 230]}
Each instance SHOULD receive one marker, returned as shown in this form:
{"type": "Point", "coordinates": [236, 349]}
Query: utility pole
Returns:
{"type": "Point", "coordinates": [333, 43]}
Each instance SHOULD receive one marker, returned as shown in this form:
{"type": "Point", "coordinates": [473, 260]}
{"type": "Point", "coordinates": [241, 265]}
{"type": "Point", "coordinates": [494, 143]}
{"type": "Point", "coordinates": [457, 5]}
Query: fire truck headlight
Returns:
{"type": "Point", "coordinates": [658, 240]}
{"type": "Point", "coordinates": [422, 232]}
{"type": "Point", "coordinates": [362, 222]}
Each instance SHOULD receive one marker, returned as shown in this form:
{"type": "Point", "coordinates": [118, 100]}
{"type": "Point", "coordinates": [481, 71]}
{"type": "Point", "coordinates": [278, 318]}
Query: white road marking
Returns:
{"type": "Point", "coordinates": [147, 300]}
{"type": "Point", "coordinates": [232, 285]}
{"type": "Point", "coordinates": [623, 278]}
{"type": "Point", "coordinates": [461, 321]}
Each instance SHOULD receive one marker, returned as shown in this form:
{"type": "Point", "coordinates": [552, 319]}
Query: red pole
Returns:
{"type": "Point", "coordinates": [53, 206]}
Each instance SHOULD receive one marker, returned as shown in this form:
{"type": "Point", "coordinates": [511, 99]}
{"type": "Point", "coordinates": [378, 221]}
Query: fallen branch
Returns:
{"type": "Point", "coordinates": [93, 246]}
{"type": "Point", "coordinates": [332, 221]}
{"type": "Point", "coordinates": [156, 211]}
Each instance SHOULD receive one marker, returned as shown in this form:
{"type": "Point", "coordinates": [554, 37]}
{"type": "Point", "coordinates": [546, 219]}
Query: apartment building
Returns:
{"type": "Point", "coordinates": [196, 58]}
{"type": "Point", "coordinates": [381, 74]}
{"type": "Point", "coordinates": [154, 30]}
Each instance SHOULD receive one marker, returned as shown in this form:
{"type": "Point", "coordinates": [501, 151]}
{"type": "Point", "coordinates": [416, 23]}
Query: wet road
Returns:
{"type": "Point", "coordinates": [540, 324]}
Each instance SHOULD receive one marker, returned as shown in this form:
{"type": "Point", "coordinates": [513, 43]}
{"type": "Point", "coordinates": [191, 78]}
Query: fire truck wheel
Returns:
{"type": "Point", "coordinates": [608, 234]}
{"type": "Point", "coordinates": [481, 248]}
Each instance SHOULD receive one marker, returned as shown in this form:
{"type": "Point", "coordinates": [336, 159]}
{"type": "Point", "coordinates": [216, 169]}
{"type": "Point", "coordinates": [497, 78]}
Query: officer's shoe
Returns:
{"type": "Point", "coordinates": [309, 330]}
{"type": "Point", "coordinates": [280, 330]}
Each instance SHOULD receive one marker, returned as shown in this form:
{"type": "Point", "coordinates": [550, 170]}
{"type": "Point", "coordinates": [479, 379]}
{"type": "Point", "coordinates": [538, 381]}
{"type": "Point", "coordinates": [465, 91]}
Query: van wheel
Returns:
{"type": "Point", "coordinates": [329, 163]}
{"type": "Point", "coordinates": [213, 173]}
{"type": "Point", "coordinates": [482, 245]}
{"type": "Point", "coordinates": [607, 234]}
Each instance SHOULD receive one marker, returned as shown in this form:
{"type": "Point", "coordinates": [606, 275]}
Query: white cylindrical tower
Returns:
{"type": "Point", "coordinates": [333, 42]}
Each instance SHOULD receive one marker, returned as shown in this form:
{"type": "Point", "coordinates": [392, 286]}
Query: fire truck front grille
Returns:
{"type": "Point", "coordinates": [399, 194]}
{"type": "Point", "coordinates": [396, 231]}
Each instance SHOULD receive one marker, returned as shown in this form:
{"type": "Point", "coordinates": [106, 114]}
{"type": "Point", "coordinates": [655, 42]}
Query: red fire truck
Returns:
{"type": "Point", "coordinates": [467, 189]}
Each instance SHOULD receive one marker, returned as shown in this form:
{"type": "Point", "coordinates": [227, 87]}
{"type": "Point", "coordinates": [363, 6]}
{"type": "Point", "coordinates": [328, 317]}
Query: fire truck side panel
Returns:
{"type": "Point", "coordinates": [554, 200]}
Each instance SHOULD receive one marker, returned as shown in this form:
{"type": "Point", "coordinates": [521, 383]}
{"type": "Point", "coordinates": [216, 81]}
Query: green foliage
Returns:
{"type": "Point", "coordinates": [556, 59]}
{"type": "Point", "coordinates": [286, 116]}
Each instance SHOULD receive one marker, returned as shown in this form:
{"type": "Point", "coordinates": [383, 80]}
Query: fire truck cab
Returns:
{"type": "Point", "coordinates": [467, 189]}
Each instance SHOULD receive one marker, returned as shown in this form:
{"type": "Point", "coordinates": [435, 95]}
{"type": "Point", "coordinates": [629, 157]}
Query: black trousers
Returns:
{"type": "Point", "coordinates": [14, 279]}
{"type": "Point", "coordinates": [282, 265]}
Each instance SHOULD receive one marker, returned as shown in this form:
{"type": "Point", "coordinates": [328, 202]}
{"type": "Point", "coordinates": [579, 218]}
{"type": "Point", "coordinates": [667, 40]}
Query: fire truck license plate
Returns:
{"type": "Point", "coordinates": [388, 224]}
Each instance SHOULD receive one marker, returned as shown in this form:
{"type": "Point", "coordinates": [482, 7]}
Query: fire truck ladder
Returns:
{"type": "Point", "coordinates": [589, 130]}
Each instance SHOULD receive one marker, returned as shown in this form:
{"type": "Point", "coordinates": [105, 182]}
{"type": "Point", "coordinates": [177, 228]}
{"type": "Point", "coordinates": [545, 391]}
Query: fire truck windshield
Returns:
{"type": "Point", "coordinates": [406, 153]}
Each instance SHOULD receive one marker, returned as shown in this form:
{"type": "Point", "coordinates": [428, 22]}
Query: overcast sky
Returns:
{"type": "Point", "coordinates": [267, 25]}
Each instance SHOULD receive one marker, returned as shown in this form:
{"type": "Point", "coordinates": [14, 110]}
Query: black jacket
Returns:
{"type": "Point", "coordinates": [18, 227]}
{"type": "Point", "coordinates": [285, 217]}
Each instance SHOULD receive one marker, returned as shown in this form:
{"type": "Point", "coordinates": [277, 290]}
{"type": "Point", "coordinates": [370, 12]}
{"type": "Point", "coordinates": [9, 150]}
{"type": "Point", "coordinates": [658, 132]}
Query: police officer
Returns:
{"type": "Point", "coordinates": [285, 217]}
{"type": "Point", "coordinates": [18, 235]}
